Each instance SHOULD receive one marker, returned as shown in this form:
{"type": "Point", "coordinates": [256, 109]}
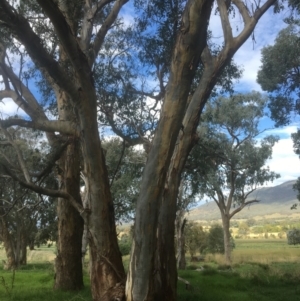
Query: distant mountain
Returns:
{"type": "Point", "coordinates": [275, 203]}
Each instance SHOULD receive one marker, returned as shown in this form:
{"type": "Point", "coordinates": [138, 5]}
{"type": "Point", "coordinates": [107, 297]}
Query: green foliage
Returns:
{"type": "Point", "coordinates": [195, 238]}
{"type": "Point", "coordinates": [296, 186]}
{"type": "Point", "coordinates": [29, 217]}
{"type": "Point", "coordinates": [279, 74]}
{"type": "Point", "coordinates": [243, 228]}
{"type": "Point", "coordinates": [215, 239]}
{"type": "Point", "coordinates": [125, 244]}
{"type": "Point", "coordinates": [293, 236]}
{"type": "Point", "coordinates": [233, 159]}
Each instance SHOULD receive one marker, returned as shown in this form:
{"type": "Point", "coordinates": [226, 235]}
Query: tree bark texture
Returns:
{"type": "Point", "coordinates": [107, 271]}
{"type": "Point", "coordinates": [68, 264]}
{"type": "Point", "coordinates": [227, 244]}
{"type": "Point", "coordinates": [144, 281]}
{"type": "Point", "coordinates": [180, 241]}
{"type": "Point", "coordinates": [23, 256]}
{"type": "Point", "coordinates": [213, 67]}
{"type": "Point", "coordinates": [141, 284]}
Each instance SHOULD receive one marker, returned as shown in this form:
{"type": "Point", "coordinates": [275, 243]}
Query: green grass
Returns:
{"type": "Point", "coordinates": [263, 270]}
{"type": "Point", "coordinates": [222, 286]}
{"type": "Point", "coordinates": [35, 283]}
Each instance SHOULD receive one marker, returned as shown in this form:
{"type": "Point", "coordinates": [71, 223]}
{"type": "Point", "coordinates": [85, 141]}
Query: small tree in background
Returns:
{"type": "Point", "coordinates": [195, 238]}
{"type": "Point", "coordinates": [243, 228]}
{"type": "Point", "coordinates": [228, 161]}
{"type": "Point", "coordinates": [279, 76]}
{"type": "Point", "coordinates": [215, 240]}
{"type": "Point", "coordinates": [293, 237]}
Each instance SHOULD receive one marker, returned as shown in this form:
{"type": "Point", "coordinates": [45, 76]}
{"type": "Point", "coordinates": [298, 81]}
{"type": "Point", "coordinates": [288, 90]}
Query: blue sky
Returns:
{"type": "Point", "coordinates": [284, 161]}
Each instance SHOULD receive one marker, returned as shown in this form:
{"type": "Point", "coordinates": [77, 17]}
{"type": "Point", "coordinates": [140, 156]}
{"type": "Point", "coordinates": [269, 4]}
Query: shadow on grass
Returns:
{"type": "Point", "coordinates": [228, 285]}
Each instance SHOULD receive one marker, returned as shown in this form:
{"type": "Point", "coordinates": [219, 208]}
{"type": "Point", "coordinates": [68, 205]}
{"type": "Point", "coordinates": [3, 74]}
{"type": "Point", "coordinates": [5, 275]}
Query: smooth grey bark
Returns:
{"type": "Point", "coordinates": [227, 245]}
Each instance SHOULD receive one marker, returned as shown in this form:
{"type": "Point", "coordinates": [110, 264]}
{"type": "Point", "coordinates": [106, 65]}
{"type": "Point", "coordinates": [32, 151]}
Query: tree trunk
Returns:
{"type": "Point", "coordinates": [180, 239]}
{"type": "Point", "coordinates": [23, 248]}
{"type": "Point", "coordinates": [68, 264]}
{"type": "Point", "coordinates": [84, 244]}
{"type": "Point", "coordinates": [8, 246]}
{"type": "Point", "coordinates": [213, 67]}
{"type": "Point", "coordinates": [166, 276]}
{"type": "Point", "coordinates": [31, 245]}
{"type": "Point", "coordinates": [143, 283]}
{"type": "Point", "coordinates": [227, 244]}
{"type": "Point", "coordinates": [107, 271]}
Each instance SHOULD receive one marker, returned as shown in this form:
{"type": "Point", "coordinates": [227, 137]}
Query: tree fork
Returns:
{"type": "Point", "coordinates": [190, 43]}
{"type": "Point", "coordinates": [213, 67]}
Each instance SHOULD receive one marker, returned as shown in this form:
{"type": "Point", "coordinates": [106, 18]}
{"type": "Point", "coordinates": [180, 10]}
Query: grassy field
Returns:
{"type": "Point", "coordinates": [262, 270]}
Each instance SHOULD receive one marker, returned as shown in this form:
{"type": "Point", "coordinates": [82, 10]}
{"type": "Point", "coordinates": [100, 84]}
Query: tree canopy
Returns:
{"type": "Point", "coordinates": [279, 74]}
{"type": "Point", "coordinates": [93, 68]}
{"type": "Point", "coordinates": [232, 157]}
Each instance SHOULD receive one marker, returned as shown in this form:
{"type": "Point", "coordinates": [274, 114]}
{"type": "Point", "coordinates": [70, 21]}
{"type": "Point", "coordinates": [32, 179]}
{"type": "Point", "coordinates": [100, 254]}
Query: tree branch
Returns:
{"type": "Point", "coordinates": [105, 28]}
{"type": "Point", "coordinates": [242, 207]}
{"type": "Point", "coordinates": [65, 34]}
{"type": "Point", "coordinates": [250, 22]}
{"type": "Point", "coordinates": [46, 191]}
{"type": "Point", "coordinates": [90, 13]}
{"type": "Point", "coordinates": [227, 31]}
{"type": "Point", "coordinates": [21, 29]}
{"type": "Point", "coordinates": [61, 126]}
{"type": "Point", "coordinates": [19, 154]}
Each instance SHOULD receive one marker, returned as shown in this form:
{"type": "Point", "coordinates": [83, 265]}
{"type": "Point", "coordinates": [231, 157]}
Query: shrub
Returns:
{"type": "Point", "coordinates": [215, 240]}
{"type": "Point", "coordinates": [293, 236]}
{"type": "Point", "coordinates": [125, 245]}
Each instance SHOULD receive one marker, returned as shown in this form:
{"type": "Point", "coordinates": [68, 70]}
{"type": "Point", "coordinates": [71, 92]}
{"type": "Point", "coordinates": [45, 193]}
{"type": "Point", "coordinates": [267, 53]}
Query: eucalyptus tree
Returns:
{"type": "Point", "coordinates": [279, 76]}
{"type": "Point", "coordinates": [212, 63]}
{"type": "Point", "coordinates": [20, 210]}
{"type": "Point", "coordinates": [81, 29]}
{"type": "Point", "coordinates": [234, 158]}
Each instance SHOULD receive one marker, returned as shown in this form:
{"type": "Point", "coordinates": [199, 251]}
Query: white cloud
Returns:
{"type": "Point", "coordinates": [9, 108]}
{"type": "Point", "coordinates": [284, 132]}
{"type": "Point", "coordinates": [284, 161]}
{"type": "Point", "coordinates": [249, 55]}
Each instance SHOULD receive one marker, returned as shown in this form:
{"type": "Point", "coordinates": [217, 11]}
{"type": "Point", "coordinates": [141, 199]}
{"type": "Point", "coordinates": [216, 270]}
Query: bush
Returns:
{"type": "Point", "coordinates": [195, 238]}
{"type": "Point", "coordinates": [125, 245]}
{"type": "Point", "coordinates": [293, 236]}
{"type": "Point", "coordinates": [216, 240]}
